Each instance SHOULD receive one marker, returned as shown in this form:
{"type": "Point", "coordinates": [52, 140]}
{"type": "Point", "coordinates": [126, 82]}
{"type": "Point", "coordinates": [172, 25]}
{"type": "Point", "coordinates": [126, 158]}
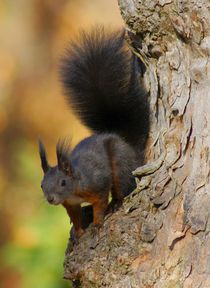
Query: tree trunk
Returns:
{"type": "Point", "coordinates": [160, 237]}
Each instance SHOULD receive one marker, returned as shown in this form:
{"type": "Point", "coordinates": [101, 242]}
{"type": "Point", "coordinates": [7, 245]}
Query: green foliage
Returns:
{"type": "Point", "coordinates": [37, 249]}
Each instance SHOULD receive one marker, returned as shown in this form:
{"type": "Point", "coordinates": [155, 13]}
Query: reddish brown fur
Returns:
{"type": "Point", "coordinates": [75, 214]}
{"type": "Point", "coordinates": [99, 205]}
{"type": "Point", "coordinates": [99, 209]}
{"type": "Point", "coordinates": [116, 188]}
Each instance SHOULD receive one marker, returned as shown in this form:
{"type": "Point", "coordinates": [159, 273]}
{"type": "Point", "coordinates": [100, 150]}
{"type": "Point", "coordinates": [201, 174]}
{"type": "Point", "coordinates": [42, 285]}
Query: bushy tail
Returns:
{"type": "Point", "coordinates": [101, 82]}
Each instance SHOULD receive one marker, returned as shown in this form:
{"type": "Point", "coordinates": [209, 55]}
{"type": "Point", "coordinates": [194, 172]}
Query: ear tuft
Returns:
{"type": "Point", "coordinates": [43, 157]}
{"type": "Point", "coordinates": [63, 151]}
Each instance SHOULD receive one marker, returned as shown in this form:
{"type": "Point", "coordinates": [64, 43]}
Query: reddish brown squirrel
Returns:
{"type": "Point", "coordinates": [102, 84]}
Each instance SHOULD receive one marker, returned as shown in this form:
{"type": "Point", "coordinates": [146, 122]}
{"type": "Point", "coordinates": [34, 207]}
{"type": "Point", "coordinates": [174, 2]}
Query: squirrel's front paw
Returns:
{"type": "Point", "coordinates": [78, 234]}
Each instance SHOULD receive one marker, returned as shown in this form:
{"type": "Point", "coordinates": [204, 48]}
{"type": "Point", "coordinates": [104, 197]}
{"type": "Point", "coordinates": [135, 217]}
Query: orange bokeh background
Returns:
{"type": "Point", "coordinates": [33, 36]}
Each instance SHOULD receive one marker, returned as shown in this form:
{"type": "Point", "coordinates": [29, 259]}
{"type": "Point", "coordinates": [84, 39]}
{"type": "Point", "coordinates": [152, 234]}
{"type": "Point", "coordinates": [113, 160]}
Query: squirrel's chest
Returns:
{"type": "Point", "coordinates": [84, 196]}
{"type": "Point", "coordinates": [74, 200]}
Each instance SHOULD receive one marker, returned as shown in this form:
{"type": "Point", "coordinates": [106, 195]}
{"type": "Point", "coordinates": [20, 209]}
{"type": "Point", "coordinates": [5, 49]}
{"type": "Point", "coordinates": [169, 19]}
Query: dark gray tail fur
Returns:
{"type": "Point", "coordinates": [102, 83]}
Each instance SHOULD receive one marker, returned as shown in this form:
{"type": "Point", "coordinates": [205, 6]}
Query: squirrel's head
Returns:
{"type": "Point", "coordinates": [58, 181]}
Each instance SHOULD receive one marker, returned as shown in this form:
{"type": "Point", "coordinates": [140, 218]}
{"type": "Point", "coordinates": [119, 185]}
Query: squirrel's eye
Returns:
{"type": "Point", "coordinates": [63, 183]}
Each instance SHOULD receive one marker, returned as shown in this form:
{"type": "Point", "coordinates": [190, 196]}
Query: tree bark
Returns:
{"type": "Point", "coordinates": [160, 237]}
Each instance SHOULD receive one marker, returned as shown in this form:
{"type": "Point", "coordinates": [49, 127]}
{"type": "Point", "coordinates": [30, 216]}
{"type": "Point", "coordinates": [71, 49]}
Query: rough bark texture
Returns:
{"type": "Point", "coordinates": [161, 235]}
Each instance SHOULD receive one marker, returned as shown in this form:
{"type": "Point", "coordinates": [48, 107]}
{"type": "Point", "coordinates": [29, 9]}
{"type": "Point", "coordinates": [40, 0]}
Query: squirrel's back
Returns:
{"type": "Point", "coordinates": [102, 83]}
{"type": "Point", "coordinates": [98, 159]}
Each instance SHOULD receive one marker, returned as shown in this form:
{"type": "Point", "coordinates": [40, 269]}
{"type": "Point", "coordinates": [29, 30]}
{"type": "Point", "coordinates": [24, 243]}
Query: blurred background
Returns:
{"type": "Point", "coordinates": [33, 36]}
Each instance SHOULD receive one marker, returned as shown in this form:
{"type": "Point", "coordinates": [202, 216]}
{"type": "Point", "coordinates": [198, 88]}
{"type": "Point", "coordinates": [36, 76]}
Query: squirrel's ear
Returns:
{"type": "Point", "coordinates": [65, 166]}
{"type": "Point", "coordinates": [43, 157]}
{"type": "Point", "coordinates": [62, 152]}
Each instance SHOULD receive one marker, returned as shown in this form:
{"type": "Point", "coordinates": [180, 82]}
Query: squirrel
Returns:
{"type": "Point", "coordinates": [101, 81]}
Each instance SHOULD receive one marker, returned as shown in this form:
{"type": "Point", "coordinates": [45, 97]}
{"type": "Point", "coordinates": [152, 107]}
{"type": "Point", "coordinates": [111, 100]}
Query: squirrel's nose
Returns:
{"type": "Point", "coordinates": [50, 199]}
